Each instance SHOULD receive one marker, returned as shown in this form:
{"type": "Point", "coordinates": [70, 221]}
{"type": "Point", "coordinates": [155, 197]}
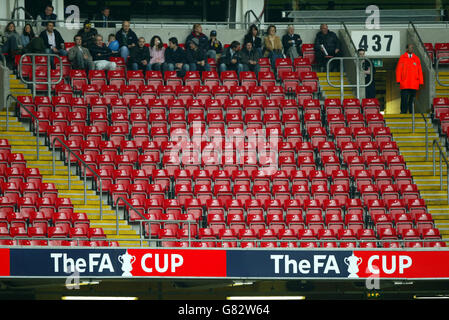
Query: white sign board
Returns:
{"type": "Point", "coordinates": [378, 43]}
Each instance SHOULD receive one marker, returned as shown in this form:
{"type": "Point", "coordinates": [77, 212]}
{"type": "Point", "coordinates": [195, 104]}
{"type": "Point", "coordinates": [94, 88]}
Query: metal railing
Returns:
{"type": "Point", "coordinates": [342, 86]}
{"type": "Point", "coordinates": [86, 167]}
{"type": "Point", "coordinates": [31, 113]}
{"type": "Point", "coordinates": [34, 82]}
{"type": "Point", "coordinates": [427, 135]}
{"type": "Point", "coordinates": [442, 156]}
{"type": "Point", "coordinates": [345, 28]}
{"type": "Point", "coordinates": [421, 42]}
{"type": "Point", "coordinates": [437, 71]}
{"type": "Point", "coordinates": [248, 21]}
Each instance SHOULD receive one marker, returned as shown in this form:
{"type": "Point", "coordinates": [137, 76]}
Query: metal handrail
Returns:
{"type": "Point", "coordinates": [427, 135]}
{"type": "Point", "coordinates": [437, 71]}
{"type": "Point", "coordinates": [349, 36]}
{"type": "Point", "coordinates": [342, 85]}
{"type": "Point", "coordinates": [4, 60]}
{"type": "Point", "coordinates": [421, 43]}
{"type": "Point", "coordinates": [442, 155]}
{"type": "Point", "coordinates": [31, 113]}
{"type": "Point", "coordinates": [246, 19]}
{"type": "Point", "coordinates": [86, 167]}
{"type": "Point", "coordinates": [49, 81]}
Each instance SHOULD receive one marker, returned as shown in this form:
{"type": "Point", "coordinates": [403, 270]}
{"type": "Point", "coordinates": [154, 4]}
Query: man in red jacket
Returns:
{"type": "Point", "coordinates": [409, 76]}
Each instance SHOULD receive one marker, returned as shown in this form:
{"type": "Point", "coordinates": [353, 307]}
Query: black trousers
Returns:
{"type": "Point", "coordinates": [407, 98]}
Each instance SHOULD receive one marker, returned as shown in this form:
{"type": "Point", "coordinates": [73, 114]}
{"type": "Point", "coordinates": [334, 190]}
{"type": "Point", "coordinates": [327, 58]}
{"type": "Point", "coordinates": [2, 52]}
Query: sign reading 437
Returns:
{"type": "Point", "coordinates": [378, 43]}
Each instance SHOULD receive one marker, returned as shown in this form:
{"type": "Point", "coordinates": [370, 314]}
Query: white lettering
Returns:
{"type": "Point", "coordinates": [106, 263]}
{"type": "Point", "coordinates": [144, 259]}
{"type": "Point", "coordinates": [304, 266]}
{"type": "Point", "coordinates": [332, 265]}
{"type": "Point", "coordinates": [317, 262]}
{"type": "Point", "coordinates": [393, 264]}
{"type": "Point", "coordinates": [158, 265]}
{"type": "Point", "coordinates": [276, 258]}
{"type": "Point", "coordinates": [403, 266]}
{"type": "Point", "coordinates": [370, 264]}
{"type": "Point", "coordinates": [93, 261]}
{"type": "Point", "coordinates": [55, 257]}
{"type": "Point", "coordinates": [177, 261]}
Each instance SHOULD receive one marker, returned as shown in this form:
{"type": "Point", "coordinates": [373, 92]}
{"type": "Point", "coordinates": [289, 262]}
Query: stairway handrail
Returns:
{"type": "Point", "coordinates": [442, 156]}
{"type": "Point", "coordinates": [34, 82]}
{"type": "Point", "coordinates": [86, 167]}
{"type": "Point", "coordinates": [342, 85]}
{"type": "Point", "coordinates": [31, 113]}
{"type": "Point", "coordinates": [437, 71]}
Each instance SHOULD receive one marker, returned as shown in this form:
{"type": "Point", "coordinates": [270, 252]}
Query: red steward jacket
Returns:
{"type": "Point", "coordinates": [409, 72]}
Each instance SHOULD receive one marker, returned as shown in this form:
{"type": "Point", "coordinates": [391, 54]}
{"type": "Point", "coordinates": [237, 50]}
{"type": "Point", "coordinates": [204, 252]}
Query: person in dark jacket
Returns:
{"type": "Point", "coordinates": [252, 36]}
{"type": "Point", "coordinates": [139, 58]}
{"type": "Point", "coordinates": [327, 45]}
{"type": "Point", "coordinates": [47, 16]}
{"type": "Point", "coordinates": [231, 59]}
{"type": "Point", "coordinates": [250, 58]}
{"type": "Point", "coordinates": [196, 57]}
{"type": "Point", "coordinates": [292, 43]}
{"type": "Point", "coordinates": [197, 33]}
{"type": "Point", "coordinates": [215, 44]}
{"type": "Point", "coordinates": [53, 42]}
{"type": "Point", "coordinates": [88, 34]}
{"type": "Point", "coordinates": [370, 91]}
{"type": "Point", "coordinates": [175, 58]}
{"type": "Point", "coordinates": [101, 54]}
{"type": "Point", "coordinates": [127, 39]}
{"type": "Point", "coordinates": [105, 18]}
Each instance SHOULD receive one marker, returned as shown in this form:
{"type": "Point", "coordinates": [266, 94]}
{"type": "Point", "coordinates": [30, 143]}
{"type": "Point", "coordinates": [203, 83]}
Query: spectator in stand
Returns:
{"type": "Point", "coordinates": [127, 40]}
{"type": "Point", "coordinates": [53, 40]}
{"type": "Point", "coordinates": [105, 18]}
{"type": "Point", "coordinates": [292, 43]}
{"type": "Point", "coordinates": [113, 45]}
{"type": "Point", "coordinates": [157, 53]}
{"type": "Point", "coordinates": [250, 58]}
{"type": "Point", "coordinates": [36, 45]}
{"type": "Point", "coordinates": [47, 16]}
{"type": "Point", "coordinates": [409, 76]}
{"type": "Point", "coordinates": [252, 36]}
{"type": "Point", "coordinates": [88, 34]}
{"type": "Point", "coordinates": [101, 54]}
{"type": "Point", "coordinates": [273, 46]}
{"type": "Point", "coordinates": [215, 44]}
{"type": "Point", "coordinates": [13, 43]}
{"type": "Point", "coordinates": [175, 58]}
{"type": "Point", "coordinates": [80, 56]}
{"type": "Point", "coordinates": [197, 33]}
{"type": "Point", "coordinates": [196, 57]}
{"type": "Point", "coordinates": [326, 46]}
{"type": "Point", "coordinates": [140, 57]}
{"type": "Point", "coordinates": [231, 59]}
{"type": "Point", "coordinates": [370, 91]}
{"type": "Point", "coordinates": [27, 35]}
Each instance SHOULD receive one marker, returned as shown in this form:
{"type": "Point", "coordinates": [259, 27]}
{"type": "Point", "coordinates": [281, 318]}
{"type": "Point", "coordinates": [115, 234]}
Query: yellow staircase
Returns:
{"type": "Point", "coordinates": [413, 148]}
{"type": "Point", "coordinates": [23, 141]}
{"type": "Point", "coordinates": [442, 91]}
{"type": "Point", "coordinates": [329, 92]}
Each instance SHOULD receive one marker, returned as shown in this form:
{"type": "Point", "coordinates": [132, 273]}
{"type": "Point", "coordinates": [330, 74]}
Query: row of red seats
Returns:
{"type": "Point", "coordinates": [58, 243]}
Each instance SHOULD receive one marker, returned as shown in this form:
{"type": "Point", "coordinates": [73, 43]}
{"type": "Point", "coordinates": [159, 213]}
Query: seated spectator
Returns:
{"type": "Point", "coordinates": [196, 57]}
{"type": "Point", "coordinates": [215, 44]}
{"type": "Point", "coordinates": [250, 58]}
{"type": "Point", "coordinates": [252, 36]}
{"type": "Point", "coordinates": [27, 35]}
{"type": "Point", "coordinates": [100, 54]}
{"type": "Point", "coordinates": [47, 16]}
{"type": "Point", "coordinates": [139, 58]}
{"type": "Point", "coordinates": [273, 46]}
{"type": "Point", "coordinates": [327, 45]}
{"type": "Point", "coordinates": [36, 45]}
{"type": "Point", "coordinates": [53, 40]}
{"type": "Point", "coordinates": [292, 43]}
{"type": "Point", "coordinates": [231, 59]}
{"type": "Point", "coordinates": [127, 39]}
{"type": "Point", "coordinates": [13, 43]}
{"type": "Point", "coordinates": [175, 58]}
{"type": "Point", "coordinates": [80, 56]}
{"type": "Point", "coordinates": [105, 18]}
{"type": "Point", "coordinates": [88, 34]}
{"type": "Point", "coordinates": [197, 33]}
{"type": "Point", "coordinates": [113, 44]}
{"type": "Point", "coordinates": [157, 53]}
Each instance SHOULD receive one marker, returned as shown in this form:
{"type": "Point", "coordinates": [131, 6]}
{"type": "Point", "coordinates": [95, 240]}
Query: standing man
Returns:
{"type": "Point", "coordinates": [47, 15]}
{"type": "Point", "coordinates": [409, 76]}
{"type": "Point", "coordinates": [370, 91]}
{"type": "Point", "coordinates": [326, 46]}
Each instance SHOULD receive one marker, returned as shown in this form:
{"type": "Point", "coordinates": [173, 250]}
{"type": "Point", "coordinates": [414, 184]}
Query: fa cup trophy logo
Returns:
{"type": "Point", "coordinates": [126, 260]}
{"type": "Point", "coordinates": [353, 263]}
